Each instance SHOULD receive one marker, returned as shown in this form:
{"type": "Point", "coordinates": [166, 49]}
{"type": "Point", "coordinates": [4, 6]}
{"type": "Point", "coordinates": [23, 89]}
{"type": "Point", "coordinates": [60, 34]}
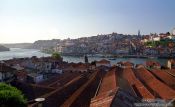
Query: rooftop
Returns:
{"type": "Point", "coordinates": [137, 86]}
{"type": "Point", "coordinates": [107, 90]}
{"type": "Point", "coordinates": [103, 61]}
{"type": "Point", "coordinates": [164, 77]}
{"type": "Point", "coordinates": [157, 88]}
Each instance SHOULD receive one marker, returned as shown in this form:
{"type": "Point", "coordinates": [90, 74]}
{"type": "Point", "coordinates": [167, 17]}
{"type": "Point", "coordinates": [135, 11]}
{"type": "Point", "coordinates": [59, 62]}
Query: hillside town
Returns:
{"type": "Point", "coordinates": [87, 53]}
{"type": "Point", "coordinates": [153, 45]}
{"type": "Point", "coordinates": [51, 82]}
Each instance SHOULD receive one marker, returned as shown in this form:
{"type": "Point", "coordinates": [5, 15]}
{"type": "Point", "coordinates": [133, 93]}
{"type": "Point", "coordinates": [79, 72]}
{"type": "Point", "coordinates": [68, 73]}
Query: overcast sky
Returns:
{"type": "Point", "coordinates": [30, 20]}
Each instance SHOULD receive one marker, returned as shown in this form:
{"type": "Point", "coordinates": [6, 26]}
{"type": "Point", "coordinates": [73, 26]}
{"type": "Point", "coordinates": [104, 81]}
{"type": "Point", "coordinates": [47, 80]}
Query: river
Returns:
{"type": "Point", "coordinates": [21, 53]}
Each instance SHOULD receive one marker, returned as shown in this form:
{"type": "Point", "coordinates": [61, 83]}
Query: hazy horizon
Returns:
{"type": "Point", "coordinates": [30, 20]}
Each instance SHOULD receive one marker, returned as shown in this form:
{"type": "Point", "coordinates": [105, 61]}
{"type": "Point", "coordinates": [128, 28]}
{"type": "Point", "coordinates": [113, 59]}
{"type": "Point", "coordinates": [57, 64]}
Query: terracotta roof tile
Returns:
{"type": "Point", "coordinates": [127, 63]}
{"type": "Point", "coordinates": [109, 82]}
{"type": "Point", "coordinates": [107, 91]}
{"type": "Point", "coordinates": [158, 88]}
{"type": "Point", "coordinates": [103, 61]}
{"type": "Point", "coordinates": [165, 77]}
{"type": "Point", "coordinates": [133, 81]}
{"type": "Point", "coordinates": [151, 63]}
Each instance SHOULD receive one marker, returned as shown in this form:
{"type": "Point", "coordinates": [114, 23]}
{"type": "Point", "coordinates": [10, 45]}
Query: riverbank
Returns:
{"type": "Point", "coordinates": [110, 55]}
{"type": "Point", "coordinates": [3, 48]}
{"type": "Point", "coordinates": [119, 56]}
{"type": "Point", "coordinates": [23, 53]}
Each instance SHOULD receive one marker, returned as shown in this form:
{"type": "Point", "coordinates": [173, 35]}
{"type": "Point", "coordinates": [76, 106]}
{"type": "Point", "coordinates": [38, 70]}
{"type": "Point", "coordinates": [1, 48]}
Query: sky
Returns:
{"type": "Point", "coordinates": [30, 20]}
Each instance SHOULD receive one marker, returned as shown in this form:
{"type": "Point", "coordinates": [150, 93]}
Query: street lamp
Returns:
{"type": "Point", "coordinates": [40, 101]}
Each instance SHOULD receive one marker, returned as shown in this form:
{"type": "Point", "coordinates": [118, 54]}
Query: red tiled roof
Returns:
{"type": "Point", "coordinates": [139, 66]}
{"type": "Point", "coordinates": [165, 77]}
{"type": "Point", "coordinates": [59, 80]}
{"type": "Point", "coordinates": [171, 71]}
{"type": "Point", "coordinates": [84, 99]}
{"type": "Point", "coordinates": [32, 91]}
{"type": "Point", "coordinates": [78, 92]}
{"type": "Point", "coordinates": [129, 75]}
{"type": "Point", "coordinates": [82, 66]}
{"type": "Point", "coordinates": [109, 82]}
{"type": "Point", "coordinates": [154, 84]}
{"type": "Point", "coordinates": [77, 67]}
{"type": "Point", "coordinates": [104, 100]}
{"type": "Point", "coordinates": [143, 90]}
{"type": "Point", "coordinates": [106, 93]}
{"type": "Point", "coordinates": [133, 81]}
{"type": "Point", "coordinates": [103, 61]}
{"type": "Point", "coordinates": [127, 63]}
{"type": "Point", "coordinates": [152, 63]}
{"type": "Point", "coordinates": [58, 96]}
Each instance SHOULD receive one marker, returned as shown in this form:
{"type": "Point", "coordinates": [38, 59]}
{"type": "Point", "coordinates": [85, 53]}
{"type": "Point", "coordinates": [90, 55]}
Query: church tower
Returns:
{"type": "Point", "coordinates": [139, 35]}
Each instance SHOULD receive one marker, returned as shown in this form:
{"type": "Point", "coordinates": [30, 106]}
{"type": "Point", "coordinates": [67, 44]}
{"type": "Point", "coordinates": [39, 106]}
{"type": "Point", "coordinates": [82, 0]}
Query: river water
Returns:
{"type": "Point", "coordinates": [21, 53]}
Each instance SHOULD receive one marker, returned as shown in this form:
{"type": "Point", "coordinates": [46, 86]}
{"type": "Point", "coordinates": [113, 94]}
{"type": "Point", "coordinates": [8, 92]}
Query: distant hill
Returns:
{"type": "Point", "coordinates": [18, 45]}
{"type": "Point", "coordinates": [3, 48]}
{"type": "Point", "coordinates": [40, 44]}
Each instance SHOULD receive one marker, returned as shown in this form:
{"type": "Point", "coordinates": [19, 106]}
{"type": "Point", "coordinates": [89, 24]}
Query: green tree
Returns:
{"type": "Point", "coordinates": [11, 97]}
{"type": "Point", "coordinates": [56, 55]}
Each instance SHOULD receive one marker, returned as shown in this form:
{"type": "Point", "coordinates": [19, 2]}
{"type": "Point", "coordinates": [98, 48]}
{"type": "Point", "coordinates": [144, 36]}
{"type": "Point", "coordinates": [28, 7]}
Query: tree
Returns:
{"type": "Point", "coordinates": [56, 55]}
{"type": "Point", "coordinates": [11, 96]}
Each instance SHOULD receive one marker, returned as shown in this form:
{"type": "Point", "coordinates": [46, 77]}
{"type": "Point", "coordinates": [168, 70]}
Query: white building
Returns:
{"type": "Point", "coordinates": [171, 64]}
{"type": "Point", "coordinates": [69, 43]}
{"type": "Point", "coordinates": [35, 78]}
{"type": "Point", "coordinates": [59, 71]}
{"type": "Point", "coordinates": [60, 48]}
{"type": "Point", "coordinates": [156, 38]}
{"type": "Point", "coordinates": [173, 31]}
{"type": "Point", "coordinates": [18, 67]}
